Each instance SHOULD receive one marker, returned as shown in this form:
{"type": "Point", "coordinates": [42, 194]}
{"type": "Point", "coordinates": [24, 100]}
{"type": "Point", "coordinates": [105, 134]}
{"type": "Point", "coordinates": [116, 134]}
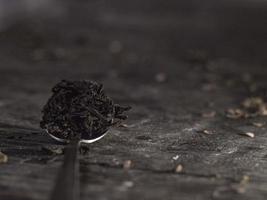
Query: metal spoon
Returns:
{"type": "Point", "coordinates": [67, 183]}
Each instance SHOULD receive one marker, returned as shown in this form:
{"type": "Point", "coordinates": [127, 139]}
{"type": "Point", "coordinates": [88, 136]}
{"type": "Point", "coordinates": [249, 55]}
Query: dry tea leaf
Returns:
{"type": "Point", "coordinates": [205, 131]}
{"type": "Point", "coordinates": [257, 124]}
{"type": "Point", "coordinates": [241, 188]}
{"type": "Point", "coordinates": [123, 126]}
{"type": "Point", "coordinates": [161, 77]}
{"type": "Point", "coordinates": [128, 184]}
{"type": "Point", "coordinates": [263, 110]}
{"type": "Point", "coordinates": [253, 102]}
{"type": "Point", "coordinates": [248, 134]}
{"type": "Point", "coordinates": [245, 180]}
{"type": "Point", "coordinates": [210, 114]}
{"type": "Point", "coordinates": [3, 158]}
{"type": "Point", "coordinates": [208, 87]}
{"type": "Point", "coordinates": [80, 107]}
{"type": "Point", "coordinates": [235, 113]}
{"type": "Point", "coordinates": [256, 105]}
{"type": "Point", "coordinates": [179, 168]}
{"type": "Point", "coordinates": [53, 150]}
{"type": "Point", "coordinates": [127, 164]}
{"type": "Point", "coordinates": [251, 107]}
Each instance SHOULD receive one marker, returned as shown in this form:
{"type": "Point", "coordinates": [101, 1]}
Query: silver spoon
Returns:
{"type": "Point", "coordinates": [67, 183]}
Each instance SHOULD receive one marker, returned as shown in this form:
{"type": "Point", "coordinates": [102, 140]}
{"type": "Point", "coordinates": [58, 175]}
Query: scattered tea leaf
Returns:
{"type": "Point", "coordinates": [241, 188]}
{"type": "Point", "coordinates": [255, 105]}
{"type": "Point", "coordinates": [208, 87]}
{"type": "Point", "coordinates": [253, 102]}
{"type": "Point", "coordinates": [257, 124]}
{"type": "Point", "coordinates": [179, 168]}
{"type": "Point", "coordinates": [245, 180]}
{"type": "Point", "coordinates": [205, 131]}
{"type": "Point", "coordinates": [128, 184]}
{"type": "Point", "coordinates": [161, 77]}
{"type": "Point", "coordinates": [3, 158]}
{"type": "Point", "coordinates": [123, 126]}
{"type": "Point", "coordinates": [235, 113]}
{"type": "Point", "coordinates": [127, 164]}
{"type": "Point", "coordinates": [210, 114]}
{"type": "Point", "coordinates": [248, 134]}
{"type": "Point", "coordinates": [53, 150]}
{"type": "Point", "coordinates": [250, 107]}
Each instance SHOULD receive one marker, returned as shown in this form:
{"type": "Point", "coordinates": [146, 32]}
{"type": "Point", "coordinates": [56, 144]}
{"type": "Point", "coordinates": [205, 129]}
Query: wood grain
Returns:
{"type": "Point", "coordinates": [206, 57]}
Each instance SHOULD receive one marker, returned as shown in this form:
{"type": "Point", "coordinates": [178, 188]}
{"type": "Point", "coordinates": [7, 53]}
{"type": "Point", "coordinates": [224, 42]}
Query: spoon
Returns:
{"type": "Point", "coordinates": [67, 182]}
{"type": "Point", "coordinates": [77, 112]}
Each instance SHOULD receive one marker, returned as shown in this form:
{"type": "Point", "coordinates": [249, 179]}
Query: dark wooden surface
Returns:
{"type": "Point", "coordinates": [206, 50]}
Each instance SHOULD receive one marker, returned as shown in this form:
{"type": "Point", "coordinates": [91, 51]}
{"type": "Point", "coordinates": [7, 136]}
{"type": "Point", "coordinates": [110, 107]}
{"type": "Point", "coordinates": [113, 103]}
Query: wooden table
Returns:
{"type": "Point", "coordinates": [180, 65]}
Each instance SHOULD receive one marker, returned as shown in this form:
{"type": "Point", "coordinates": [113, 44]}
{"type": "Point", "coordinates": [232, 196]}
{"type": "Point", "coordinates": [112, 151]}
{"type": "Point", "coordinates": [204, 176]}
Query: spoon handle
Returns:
{"type": "Point", "coordinates": [67, 183]}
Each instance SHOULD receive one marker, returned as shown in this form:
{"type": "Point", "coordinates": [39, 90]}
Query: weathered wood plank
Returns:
{"type": "Point", "coordinates": [126, 48]}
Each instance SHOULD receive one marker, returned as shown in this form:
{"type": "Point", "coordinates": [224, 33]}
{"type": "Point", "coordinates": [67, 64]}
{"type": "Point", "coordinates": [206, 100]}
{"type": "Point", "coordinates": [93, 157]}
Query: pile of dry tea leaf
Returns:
{"type": "Point", "coordinates": [80, 107]}
{"type": "Point", "coordinates": [250, 107]}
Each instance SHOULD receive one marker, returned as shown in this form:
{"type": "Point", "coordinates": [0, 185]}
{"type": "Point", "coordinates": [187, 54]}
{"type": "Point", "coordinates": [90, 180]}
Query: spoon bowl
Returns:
{"type": "Point", "coordinates": [84, 138]}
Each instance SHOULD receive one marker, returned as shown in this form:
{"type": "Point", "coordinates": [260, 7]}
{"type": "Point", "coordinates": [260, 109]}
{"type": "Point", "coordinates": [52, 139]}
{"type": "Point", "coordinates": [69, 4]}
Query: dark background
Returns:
{"type": "Point", "coordinates": [172, 61]}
